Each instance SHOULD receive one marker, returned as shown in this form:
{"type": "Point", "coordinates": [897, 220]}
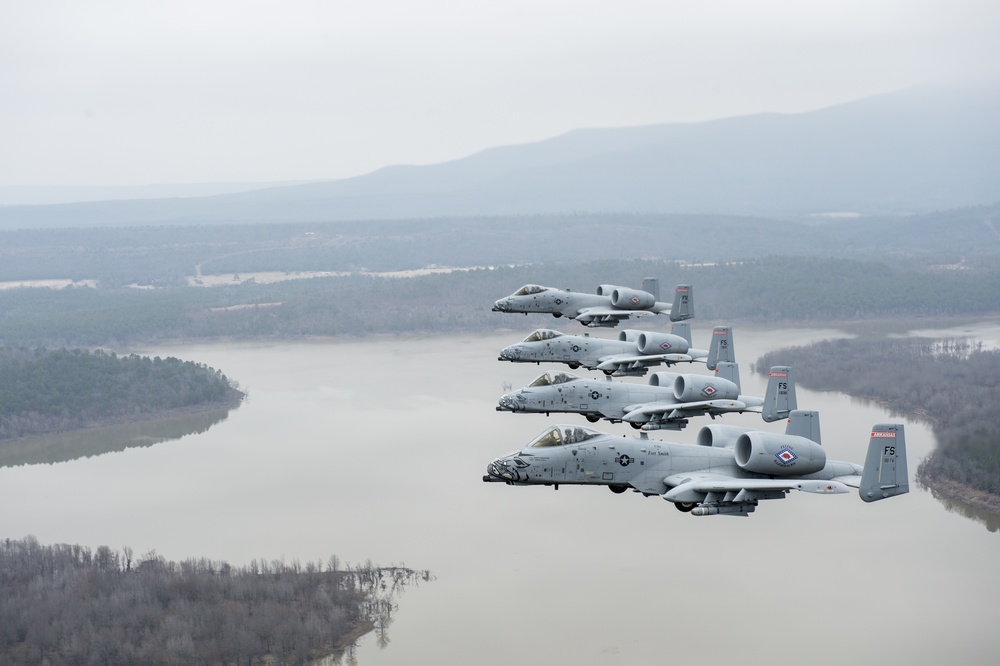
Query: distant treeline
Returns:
{"type": "Point", "coordinates": [167, 255]}
{"type": "Point", "coordinates": [771, 289]}
{"type": "Point", "coordinates": [63, 605]}
{"type": "Point", "coordinates": [44, 391]}
{"type": "Point", "coordinates": [954, 384]}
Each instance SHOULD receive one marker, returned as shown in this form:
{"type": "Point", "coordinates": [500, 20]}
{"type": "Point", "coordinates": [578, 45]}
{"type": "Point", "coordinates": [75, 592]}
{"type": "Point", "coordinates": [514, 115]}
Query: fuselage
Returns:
{"type": "Point", "coordinates": [564, 392]}
{"type": "Point", "coordinates": [571, 304]}
{"type": "Point", "coordinates": [547, 346]}
{"type": "Point", "coordinates": [536, 298]}
{"type": "Point", "coordinates": [579, 455]}
{"type": "Point", "coordinates": [623, 357]}
{"type": "Point", "coordinates": [616, 401]}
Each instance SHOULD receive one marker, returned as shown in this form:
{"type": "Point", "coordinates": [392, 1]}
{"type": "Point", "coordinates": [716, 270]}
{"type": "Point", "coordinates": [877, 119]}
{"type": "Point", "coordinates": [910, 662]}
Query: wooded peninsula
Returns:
{"type": "Point", "coordinates": [953, 384]}
{"type": "Point", "coordinates": [45, 391]}
{"type": "Point", "coordinates": [63, 605]}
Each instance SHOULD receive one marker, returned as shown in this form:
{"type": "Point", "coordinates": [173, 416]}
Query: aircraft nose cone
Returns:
{"type": "Point", "coordinates": [501, 469]}
{"type": "Point", "coordinates": [509, 403]}
{"type": "Point", "coordinates": [509, 354]}
{"type": "Point", "coordinates": [501, 306]}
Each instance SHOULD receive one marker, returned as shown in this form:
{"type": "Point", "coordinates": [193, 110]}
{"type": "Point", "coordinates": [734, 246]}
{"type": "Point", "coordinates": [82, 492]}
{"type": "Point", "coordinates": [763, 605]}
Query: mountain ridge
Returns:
{"type": "Point", "coordinates": [914, 150]}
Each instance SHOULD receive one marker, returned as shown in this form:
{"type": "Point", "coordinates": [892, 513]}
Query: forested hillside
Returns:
{"type": "Point", "coordinates": [771, 289]}
{"type": "Point", "coordinates": [45, 391]}
{"type": "Point", "coordinates": [953, 384]}
{"type": "Point", "coordinates": [169, 256]}
{"type": "Point", "coordinates": [63, 605]}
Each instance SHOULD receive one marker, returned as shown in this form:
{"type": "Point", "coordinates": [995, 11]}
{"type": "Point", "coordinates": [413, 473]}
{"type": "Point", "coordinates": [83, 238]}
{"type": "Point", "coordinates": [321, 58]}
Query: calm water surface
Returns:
{"type": "Point", "coordinates": [375, 450]}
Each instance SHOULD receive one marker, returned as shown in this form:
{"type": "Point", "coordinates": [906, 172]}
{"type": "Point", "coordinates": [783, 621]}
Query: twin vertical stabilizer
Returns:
{"type": "Point", "coordinates": [721, 348]}
{"type": "Point", "coordinates": [780, 400]}
{"type": "Point", "coordinates": [683, 306]}
{"type": "Point", "coordinates": [885, 474]}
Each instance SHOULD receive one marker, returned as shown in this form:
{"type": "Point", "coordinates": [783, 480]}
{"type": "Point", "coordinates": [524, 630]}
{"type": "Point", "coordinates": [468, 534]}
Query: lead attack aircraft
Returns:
{"type": "Point", "coordinates": [609, 306]}
{"type": "Point", "coordinates": [631, 355]}
{"type": "Point", "coordinates": [728, 471]}
{"type": "Point", "coordinates": [665, 403]}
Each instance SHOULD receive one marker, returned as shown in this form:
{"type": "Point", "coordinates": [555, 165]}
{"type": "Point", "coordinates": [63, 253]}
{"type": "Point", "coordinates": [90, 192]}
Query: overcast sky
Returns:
{"type": "Point", "coordinates": [129, 92]}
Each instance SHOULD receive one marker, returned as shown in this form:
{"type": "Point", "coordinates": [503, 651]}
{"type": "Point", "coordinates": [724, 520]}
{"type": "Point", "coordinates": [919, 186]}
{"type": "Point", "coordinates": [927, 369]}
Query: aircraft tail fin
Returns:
{"type": "Point", "coordinates": [804, 424]}
{"type": "Point", "coordinates": [721, 349]}
{"type": "Point", "coordinates": [651, 285]}
{"type": "Point", "coordinates": [730, 372]}
{"type": "Point", "coordinates": [780, 400]}
{"type": "Point", "coordinates": [682, 329]}
{"type": "Point", "coordinates": [885, 474]}
{"type": "Point", "coordinates": [683, 307]}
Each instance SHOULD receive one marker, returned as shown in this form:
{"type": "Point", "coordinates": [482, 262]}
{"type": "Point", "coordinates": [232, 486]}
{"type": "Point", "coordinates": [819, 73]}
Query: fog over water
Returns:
{"type": "Point", "coordinates": [375, 450]}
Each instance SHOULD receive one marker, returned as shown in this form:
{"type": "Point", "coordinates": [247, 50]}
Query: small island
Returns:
{"type": "Point", "coordinates": [46, 391]}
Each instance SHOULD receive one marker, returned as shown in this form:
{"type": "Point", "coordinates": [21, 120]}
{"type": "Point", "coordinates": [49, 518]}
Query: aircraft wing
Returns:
{"type": "Point", "coordinates": [718, 483]}
{"type": "Point", "coordinates": [613, 313]}
{"type": "Point", "coordinates": [649, 409]}
{"type": "Point", "coordinates": [613, 361]}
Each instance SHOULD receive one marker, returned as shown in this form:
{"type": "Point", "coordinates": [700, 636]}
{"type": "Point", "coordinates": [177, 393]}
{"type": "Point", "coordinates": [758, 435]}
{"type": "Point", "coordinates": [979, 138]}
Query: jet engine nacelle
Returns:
{"type": "Point", "coordinates": [632, 299]}
{"type": "Point", "coordinates": [665, 379]}
{"type": "Point", "coordinates": [690, 388]}
{"type": "Point", "coordinates": [629, 335]}
{"type": "Point", "coordinates": [607, 289]}
{"type": "Point", "coordinates": [720, 436]}
{"type": "Point", "coordinates": [780, 455]}
{"type": "Point", "coordinates": [661, 343]}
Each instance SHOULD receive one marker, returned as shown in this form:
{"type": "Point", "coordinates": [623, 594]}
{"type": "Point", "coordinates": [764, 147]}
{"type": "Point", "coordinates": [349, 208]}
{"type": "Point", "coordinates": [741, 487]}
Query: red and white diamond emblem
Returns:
{"type": "Point", "coordinates": [785, 456]}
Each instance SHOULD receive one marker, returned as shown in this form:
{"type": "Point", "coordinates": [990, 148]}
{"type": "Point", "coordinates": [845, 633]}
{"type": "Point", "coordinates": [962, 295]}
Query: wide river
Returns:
{"type": "Point", "coordinates": [375, 450]}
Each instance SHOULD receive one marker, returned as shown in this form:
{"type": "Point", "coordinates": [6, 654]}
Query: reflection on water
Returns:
{"type": "Point", "coordinates": [65, 446]}
{"type": "Point", "coordinates": [383, 587]}
{"type": "Point", "coordinates": [990, 520]}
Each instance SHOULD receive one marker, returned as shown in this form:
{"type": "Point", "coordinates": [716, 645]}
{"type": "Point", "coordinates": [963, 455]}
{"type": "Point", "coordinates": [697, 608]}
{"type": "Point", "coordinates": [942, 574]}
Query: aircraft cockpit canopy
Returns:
{"type": "Point", "coordinates": [550, 378]}
{"type": "Point", "coordinates": [562, 435]}
{"type": "Point", "coordinates": [542, 334]}
{"type": "Point", "coordinates": [529, 289]}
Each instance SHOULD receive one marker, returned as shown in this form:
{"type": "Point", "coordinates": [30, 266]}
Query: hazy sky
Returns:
{"type": "Point", "coordinates": [129, 92]}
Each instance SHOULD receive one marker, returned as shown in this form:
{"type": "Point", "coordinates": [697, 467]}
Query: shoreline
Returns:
{"type": "Point", "coordinates": [959, 492]}
{"type": "Point", "coordinates": [163, 416]}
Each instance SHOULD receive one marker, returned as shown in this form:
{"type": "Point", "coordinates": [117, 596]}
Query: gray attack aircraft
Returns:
{"type": "Point", "coordinates": [609, 306]}
{"type": "Point", "coordinates": [728, 471]}
{"type": "Point", "coordinates": [631, 355]}
{"type": "Point", "coordinates": [665, 403]}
